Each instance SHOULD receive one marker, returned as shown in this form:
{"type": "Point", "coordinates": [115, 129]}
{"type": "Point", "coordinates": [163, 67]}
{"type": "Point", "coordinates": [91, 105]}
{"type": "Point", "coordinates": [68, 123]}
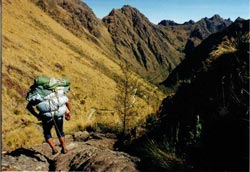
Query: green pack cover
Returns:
{"type": "Point", "coordinates": [52, 83]}
{"type": "Point", "coordinates": [43, 86]}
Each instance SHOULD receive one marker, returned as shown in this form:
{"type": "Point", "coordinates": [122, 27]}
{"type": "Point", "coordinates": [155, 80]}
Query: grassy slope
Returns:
{"type": "Point", "coordinates": [34, 44]}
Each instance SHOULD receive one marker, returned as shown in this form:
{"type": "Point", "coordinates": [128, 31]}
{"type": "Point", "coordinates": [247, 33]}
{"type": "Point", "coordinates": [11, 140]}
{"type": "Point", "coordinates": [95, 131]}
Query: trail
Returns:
{"type": "Point", "coordinates": [92, 111]}
{"type": "Point", "coordinates": [94, 154]}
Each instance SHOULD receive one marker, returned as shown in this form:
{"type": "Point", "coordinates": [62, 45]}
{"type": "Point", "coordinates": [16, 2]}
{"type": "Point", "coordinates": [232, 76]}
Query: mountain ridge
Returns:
{"type": "Point", "coordinates": [172, 22]}
{"type": "Point", "coordinates": [198, 31]}
{"type": "Point", "coordinates": [126, 34]}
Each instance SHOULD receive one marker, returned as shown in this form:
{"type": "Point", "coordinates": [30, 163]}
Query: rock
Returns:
{"type": "Point", "coordinates": [93, 155]}
{"type": "Point", "coordinates": [81, 136]}
{"type": "Point", "coordinates": [102, 141]}
{"type": "Point", "coordinates": [87, 157]}
{"type": "Point", "coordinates": [94, 159]}
{"type": "Point", "coordinates": [25, 159]}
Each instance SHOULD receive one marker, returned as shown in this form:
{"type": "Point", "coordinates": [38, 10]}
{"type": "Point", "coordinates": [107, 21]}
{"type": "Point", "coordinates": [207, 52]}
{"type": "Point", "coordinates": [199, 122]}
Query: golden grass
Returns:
{"type": "Point", "coordinates": [34, 44]}
{"type": "Point", "coordinates": [227, 46]}
{"type": "Point", "coordinates": [23, 136]}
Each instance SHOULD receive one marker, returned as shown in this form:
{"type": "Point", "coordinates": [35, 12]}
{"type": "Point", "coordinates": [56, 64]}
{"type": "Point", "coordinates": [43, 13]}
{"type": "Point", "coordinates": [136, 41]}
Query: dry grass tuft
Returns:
{"type": "Point", "coordinates": [227, 46]}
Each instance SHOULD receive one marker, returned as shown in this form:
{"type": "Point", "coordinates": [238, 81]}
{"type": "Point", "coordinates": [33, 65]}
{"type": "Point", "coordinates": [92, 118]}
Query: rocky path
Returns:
{"type": "Point", "coordinates": [87, 152]}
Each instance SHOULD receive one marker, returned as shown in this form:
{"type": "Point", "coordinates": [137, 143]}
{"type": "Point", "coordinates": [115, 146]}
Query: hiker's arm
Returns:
{"type": "Point", "coordinates": [68, 104]}
{"type": "Point", "coordinates": [32, 110]}
{"type": "Point", "coordinates": [68, 114]}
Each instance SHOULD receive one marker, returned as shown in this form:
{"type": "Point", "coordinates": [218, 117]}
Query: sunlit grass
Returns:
{"type": "Point", "coordinates": [226, 47]}
{"type": "Point", "coordinates": [34, 44]}
{"type": "Point", "coordinates": [22, 137]}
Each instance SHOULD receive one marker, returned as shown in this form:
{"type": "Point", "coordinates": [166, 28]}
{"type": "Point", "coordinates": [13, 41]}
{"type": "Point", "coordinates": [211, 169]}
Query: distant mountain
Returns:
{"type": "Point", "coordinates": [208, 117]}
{"type": "Point", "coordinates": [145, 45]}
{"type": "Point", "coordinates": [168, 23]}
{"type": "Point", "coordinates": [198, 31]}
{"type": "Point", "coordinates": [189, 22]}
{"type": "Point", "coordinates": [173, 23]}
{"type": "Point", "coordinates": [205, 27]}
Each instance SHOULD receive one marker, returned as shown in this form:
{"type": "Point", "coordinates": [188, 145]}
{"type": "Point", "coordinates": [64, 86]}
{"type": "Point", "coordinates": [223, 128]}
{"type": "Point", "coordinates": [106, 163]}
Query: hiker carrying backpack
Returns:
{"type": "Point", "coordinates": [48, 96]}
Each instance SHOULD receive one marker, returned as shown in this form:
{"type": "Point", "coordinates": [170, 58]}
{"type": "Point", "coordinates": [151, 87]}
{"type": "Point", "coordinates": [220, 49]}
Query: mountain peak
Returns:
{"type": "Point", "coordinates": [127, 7]}
{"type": "Point", "coordinates": [131, 11]}
{"type": "Point", "coordinates": [216, 17]}
{"type": "Point", "coordinates": [127, 13]}
{"type": "Point", "coordinates": [112, 12]}
{"type": "Point", "coordinates": [239, 19]}
{"type": "Point", "coordinates": [126, 10]}
{"type": "Point", "coordinates": [168, 23]}
{"type": "Point", "coordinates": [189, 22]}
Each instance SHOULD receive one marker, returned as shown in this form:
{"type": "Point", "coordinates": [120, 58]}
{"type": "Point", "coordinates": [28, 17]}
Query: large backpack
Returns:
{"type": "Point", "coordinates": [48, 95]}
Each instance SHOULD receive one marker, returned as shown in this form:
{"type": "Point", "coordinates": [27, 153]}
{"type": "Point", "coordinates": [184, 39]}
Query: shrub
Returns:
{"type": "Point", "coordinates": [162, 155]}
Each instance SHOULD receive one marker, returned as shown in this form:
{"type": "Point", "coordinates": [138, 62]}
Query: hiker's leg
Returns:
{"type": "Point", "coordinates": [52, 145]}
{"type": "Point", "coordinates": [63, 144]}
{"type": "Point", "coordinates": [60, 134]}
{"type": "Point", "coordinates": [47, 125]}
{"type": "Point", "coordinates": [59, 127]}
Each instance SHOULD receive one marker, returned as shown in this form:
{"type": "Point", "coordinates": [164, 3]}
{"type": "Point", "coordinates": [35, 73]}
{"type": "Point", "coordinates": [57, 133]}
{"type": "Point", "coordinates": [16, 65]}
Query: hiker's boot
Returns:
{"type": "Point", "coordinates": [63, 145]}
{"type": "Point", "coordinates": [52, 146]}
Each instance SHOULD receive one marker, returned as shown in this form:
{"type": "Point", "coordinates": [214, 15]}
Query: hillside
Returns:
{"type": "Point", "coordinates": [127, 35]}
{"type": "Point", "coordinates": [35, 44]}
{"type": "Point", "coordinates": [206, 123]}
{"type": "Point", "coordinates": [78, 18]}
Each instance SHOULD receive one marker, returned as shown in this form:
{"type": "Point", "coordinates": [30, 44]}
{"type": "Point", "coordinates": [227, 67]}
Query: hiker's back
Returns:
{"type": "Point", "coordinates": [48, 95]}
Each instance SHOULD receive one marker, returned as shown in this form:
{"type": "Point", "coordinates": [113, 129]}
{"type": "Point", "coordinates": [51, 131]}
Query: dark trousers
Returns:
{"type": "Point", "coordinates": [48, 123]}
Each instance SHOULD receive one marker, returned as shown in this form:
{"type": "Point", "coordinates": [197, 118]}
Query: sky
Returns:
{"type": "Point", "coordinates": [179, 11]}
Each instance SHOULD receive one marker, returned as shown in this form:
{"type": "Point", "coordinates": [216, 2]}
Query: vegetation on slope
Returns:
{"type": "Point", "coordinates": [34, 44]}
{"type": "Point", "coordinates": [206, 123]}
